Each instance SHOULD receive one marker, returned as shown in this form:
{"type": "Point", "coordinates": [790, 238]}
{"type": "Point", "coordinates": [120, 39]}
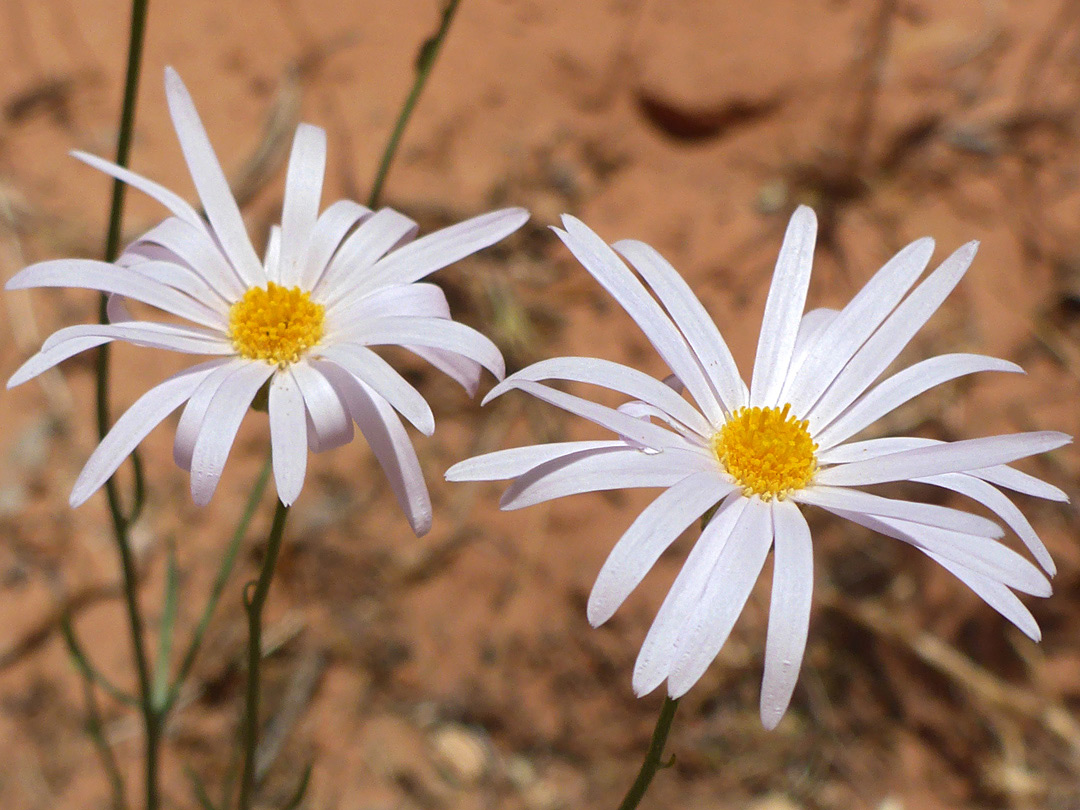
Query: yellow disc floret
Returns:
{"type": "Point", "coordinates": [766, 451]}
{"type": "Point", "coordinates": [276, 324]}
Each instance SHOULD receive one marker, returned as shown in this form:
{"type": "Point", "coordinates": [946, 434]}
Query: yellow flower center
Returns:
{"type": "Point", "coordinates": [766, 451]}
{"type": "Point", "coordinates": [276, 324]}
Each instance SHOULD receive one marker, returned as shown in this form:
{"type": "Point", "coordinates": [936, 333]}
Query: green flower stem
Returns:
{"type": "Point", "coordinates": [254, 601]}
{"type": "Point", "coordinates": [228, 560]}
{"type": "Point", "coordinates": [121, 523]}
{"type": "Point", "coordinates": [653, 759]}
{"type": "Point", "coordinates": [425, 60]}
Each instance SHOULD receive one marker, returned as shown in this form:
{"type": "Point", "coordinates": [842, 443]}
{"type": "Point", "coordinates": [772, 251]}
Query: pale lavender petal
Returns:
{"type": "Point", "coordinates": [1020, 482]}
{"type": "Point", "coordinates": [656, 528]}
{"type": "Point", "coordinates": [331, 423]}
{"type": "Point", "coordinates": [386, 382]}
{"type": "Point", "coordinates": [462, 370]}
{"type": "Point", "coordinates": [891, 337]}
{"type": "Point", "coordinates": [436, 333]}
{"type": "Point", "coordinates": [996, 595]}
{"type": "Point", "coordinates": [288, 435]}
{"type": "Point", "coordinates": [191, 419]}
{"type": "Point", "coordinates": [904, 386]}
{"type": "Point", "coordinates": [615, 277]}
{"type": "Point", "coordinates": [85, 274]}
{"type": "Point", "coordinates": [615, 377]}
{"type": "Point", "coordinates": [811, 327]}
{"type": "Point", "coordinates": [210, 182]}
{"type": "Point", "coordinates": [857, 322]}
{"type": "Point", "coordinates": [600, 470]}
{"type": "Point", "coordinates": [644, 433]}
{"type": "Point", "coordinates": [784, 308]}
{"type": "Point", "coordinates": [174, 202]}
{"type": "Point", "coordinates": [504, 464]}
{"type": "Point", "coordinates": [272, 255]}
{"type": "Point", "coordinates": [194, 247]}
{"type": "Point", "coordinates": [730, 583]}
{"type": "Point", "coordinates": [980, 554]}
{"type": "Point", "coordinates": [223, 418]}
{"type": "Point", "coordinates": [960, 456]}
{"type": "Point", "coordinates": [996, 501]}
{"type": "Point", "coordinates": [44, 360]}
{"type": "Point", "coordinates": [688, 313]}
{"type": "Point", "coordinates": [330, 229]}
{"type": "Point", "coordinates": [872, 448]}
{"type": "Point", "coordinates": [389, 442]}
{"type": "Point", "coordinates": [350, 272]}
{"type": "Point", "coordinates": [400, 299]}
{"type": "Point", "coordinates": [657, 655]}
{"type": "Point", "coordinates": [855, 500]}
{"type": "Point", "coordinates": [789, 610]}
{"type": "Point", "coordinates": [441, 248]}
{"type": "Point", "coordinates": [303, 192]}
{"type": "Point", "coordinates": [131, 428]}
{"type": "Point", "coordinates": [185, 280]}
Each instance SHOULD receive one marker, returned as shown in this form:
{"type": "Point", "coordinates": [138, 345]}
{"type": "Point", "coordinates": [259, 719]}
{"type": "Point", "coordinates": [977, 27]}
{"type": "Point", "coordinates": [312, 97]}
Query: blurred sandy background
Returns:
{"type": "Point", "coordinates": [458, 670]}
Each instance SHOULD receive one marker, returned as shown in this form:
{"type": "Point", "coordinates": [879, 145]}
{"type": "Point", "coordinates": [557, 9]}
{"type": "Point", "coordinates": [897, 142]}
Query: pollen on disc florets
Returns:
{"type": "Point", "coordinates": [276, 324]}
{"type": "Point", "coordinates": [767, 451]}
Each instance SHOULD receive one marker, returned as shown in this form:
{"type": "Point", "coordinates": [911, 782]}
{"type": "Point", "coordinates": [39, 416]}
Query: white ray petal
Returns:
{"type": "Point", "coordinates": [615, 377]}
{"type": "Point", "coordinates": [213, 188]}
{"type": "Point", "coordinates": [437, 333]}
{"type": "Point", "coordinates": [600, 470]}
{"type": "Point", "coordinates": [223, 417]}
{"type": "Point", "coordinates": [615, 277]}
{"type": "Point", "coordinates": [857, 322]}
{"type": "Point", "coordinates": [682, 602]}
{"type": "Point", "coordinates": [1020, 482]}
{"type": "Point", "coordinates": [386, 381]}
{"type": "Point", "coordinates": [462, 370]}
{"type": "Point", "coordinates": [187, 281]}
{"type": "Point", "coordinates": [330, 229]}
{"type": "Point", "coordinates": [85, 274]}
{"type": "Point", "coordinates": [436, 250]}
{"type": "Point", "coordinates": [891, 337]}
{"type": "Point", "coordinates": [652, 531]}
{"type": "Point", "coordinates": [171, 200]}
{"type": "Point", "coordinates": [288, 435]}
{"type": "Point", "coordinates": [784, 308]}
{"type": "Point", "coordinates": [959, 456]}
{"type": "Point", "coordinates": [137, 421]}
{"type": "Point", "coordinates": [349, 273]}
{"type": "Point", "coordinates": [303, 192]}
{"type": "Point", "coordinates": [855, 500]}
{"type": "Point", "coordinates": [996, 501]}
{"type": "Point", "coordinates": [690, 316]}
{"type": "Point", "coordinates": [389, 442]}
{"type": "Point", "coordinates": [729, 587]}
{"type": "Point", "coordinates": [811, 328]}
{"type": "Point", "coordinates": [505, 464]}
{"type": "Point", "coordinates": [331, 422]}
{"type": "Point", "coordinates": [195, 247]}
{"type": "Point", "coordinates": [644, 433]}
{"type": "Point", "coordinates": [904, 386]}
{"type": "Point", "coordinates": [191, 419]}
{"type": "Point", "coordinates": [789, 610]}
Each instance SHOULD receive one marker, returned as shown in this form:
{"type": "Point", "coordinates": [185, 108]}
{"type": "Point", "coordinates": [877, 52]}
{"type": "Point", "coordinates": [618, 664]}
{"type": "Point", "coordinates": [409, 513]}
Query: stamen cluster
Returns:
{"type": "Point", "coordinates": [275, 323]}
{"type": "Point", "coordinates": [767, 451]}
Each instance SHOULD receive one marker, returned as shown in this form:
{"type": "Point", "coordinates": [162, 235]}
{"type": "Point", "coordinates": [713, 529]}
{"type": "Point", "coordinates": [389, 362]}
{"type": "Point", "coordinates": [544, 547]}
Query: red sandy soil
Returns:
{"type": "Point", "coordinates": [458, 670]}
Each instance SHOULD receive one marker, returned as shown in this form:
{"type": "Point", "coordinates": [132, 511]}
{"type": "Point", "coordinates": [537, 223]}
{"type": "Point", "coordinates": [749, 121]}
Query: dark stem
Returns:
{"type": "Point", "coordinates": [425, 60]}
{"type": "Point", "coordinates": [151, 719]}
{"type": "Point", "coordinates": [653, 759]}
{"type": "Point", "coordinates": [254, 603]}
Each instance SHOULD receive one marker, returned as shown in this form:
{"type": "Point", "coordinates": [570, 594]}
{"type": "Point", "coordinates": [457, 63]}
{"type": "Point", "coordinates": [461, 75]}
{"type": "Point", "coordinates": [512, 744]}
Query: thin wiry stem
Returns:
{"type": "Point", "coordinates": [654, 758]}
{"type": "Point", "coordinates": [121, 523]}
{"type": "Point", "coordinates": [254, 602]}
{"type": "Point", "coordinates": [95, 729]}
{"type": "Point", "coordinates": [228, 560]}
{"type": "Point", "coordinates": [425, 60]}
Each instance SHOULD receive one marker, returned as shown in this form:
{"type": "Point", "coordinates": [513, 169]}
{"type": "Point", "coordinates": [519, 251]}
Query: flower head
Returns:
{"type": "Point", "coordinates": [758, 454]}
{"type": "Point", "coordinates": [301, 321]}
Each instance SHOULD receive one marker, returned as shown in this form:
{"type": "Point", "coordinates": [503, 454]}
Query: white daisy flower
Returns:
{"type": "Point", "coordinates": [301, 321]}
{"type": "Point", "coordinates": [758, 454]}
